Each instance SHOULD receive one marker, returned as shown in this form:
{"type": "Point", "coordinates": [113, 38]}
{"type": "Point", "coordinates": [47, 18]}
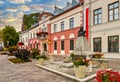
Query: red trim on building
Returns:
{"type": "Point", "coordinates": [66, 33]}
{"type": "Point", "coordinates": [87, 23]}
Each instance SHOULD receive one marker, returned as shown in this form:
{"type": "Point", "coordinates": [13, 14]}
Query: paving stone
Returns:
{"type": "Point", "coordinates": [27, 72]}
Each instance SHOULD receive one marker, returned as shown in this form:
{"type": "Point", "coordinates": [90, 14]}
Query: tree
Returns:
{"type": "Point", "coordinates": [29, 20]}
{"type": "Point", "coordinates": [10, 36]}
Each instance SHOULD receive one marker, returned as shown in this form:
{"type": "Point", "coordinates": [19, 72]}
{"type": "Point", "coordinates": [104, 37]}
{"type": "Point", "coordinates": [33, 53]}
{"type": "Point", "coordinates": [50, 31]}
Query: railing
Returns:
{"type": "Point", "coordinates": [42, 35]}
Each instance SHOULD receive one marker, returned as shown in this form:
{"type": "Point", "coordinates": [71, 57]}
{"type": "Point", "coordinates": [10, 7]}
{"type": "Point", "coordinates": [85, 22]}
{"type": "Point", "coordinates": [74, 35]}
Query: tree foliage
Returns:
{"type": "Point", "coordinates": [10, 36]}
{"type": "Point", "coordinates": [29, 20]}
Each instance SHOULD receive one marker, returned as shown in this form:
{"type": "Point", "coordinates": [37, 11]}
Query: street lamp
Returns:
{"type": "Point", "coordinates": [7, 43]}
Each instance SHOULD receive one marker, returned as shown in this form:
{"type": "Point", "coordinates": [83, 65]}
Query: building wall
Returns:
{"type": "Point", "coordinates": [75, 13]}
{"type": "Point", "coordinates": [104, 29]}
{"type": "Point", "coordinates": [67, 33]}
{"type": "Point", "coordinates": [33, 41]}
{"type": "Point", "coordinates": [24, 38]}
{"type": "Point", "coordinates": [45, 24]}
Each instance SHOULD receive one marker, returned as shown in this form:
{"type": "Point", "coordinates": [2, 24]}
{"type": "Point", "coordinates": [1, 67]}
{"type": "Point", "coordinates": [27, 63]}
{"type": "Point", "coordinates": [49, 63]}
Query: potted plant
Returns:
{"type": "Point", "coordinates": [98, 55]}
{"type": "Point", "coordinates": [41, 59]}
{"type": "Point", "coordinates": [80, 65]}
{"type": "Point", "coordinates": [107, 76]}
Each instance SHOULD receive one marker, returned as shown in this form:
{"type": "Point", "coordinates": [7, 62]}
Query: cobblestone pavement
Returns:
{"type": "Point", "coordinates": [27, 72]}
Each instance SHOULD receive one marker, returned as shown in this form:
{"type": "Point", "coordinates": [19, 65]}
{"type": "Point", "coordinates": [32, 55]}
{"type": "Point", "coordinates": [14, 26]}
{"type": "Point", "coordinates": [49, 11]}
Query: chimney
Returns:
{"type": "Point", "coordinates": [68, 4]}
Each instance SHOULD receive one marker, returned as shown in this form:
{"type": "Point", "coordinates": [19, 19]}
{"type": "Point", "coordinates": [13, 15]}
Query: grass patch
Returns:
{"type": "Point", "coordinates": [16, 60]}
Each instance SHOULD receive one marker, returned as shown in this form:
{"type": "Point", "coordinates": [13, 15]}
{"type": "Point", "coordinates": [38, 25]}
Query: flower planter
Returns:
{"type": "Point", "coordinates": [41, 61]}
{"type": "Point", "coordinates": [80, 71]}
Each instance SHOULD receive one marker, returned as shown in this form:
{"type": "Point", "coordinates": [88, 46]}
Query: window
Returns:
{"type": "Point", "coordinates": [71, 23]}
{"type": "Point", "coordinates": [44, 30]}
{"type": "Point", "coordinates": [97, 44]}
{"type": "Point", "coordinates": [34, 35]}
{"type": "Point", "coordinates": [98, 16]}
{"type": "Point", "coordinates": [37, 45]}
{"type": "Point", "coordinates": [31, 35]}
{"type": "Point", "coordinates": [43, 18]}
{"type": "Point", "coordinates": [62, 25]}
{"type": "Point", "coordinates": [23, 40]}
{"type": "Point", "coordinates": [55, 45]}
{"type": "Point", "coordinates": [113, 43]}
{"type": "Point", "coordinates": [31, 46]}
{"type": "Point", "coordinates": [113, 11]}
{"type": "Point", "coordinates": [55, 28]}
{"type": "Point", "coordinates": [62, 45]}
{"type": "Point", "coordinates": [71, 44]}
{"type": "Point", "coordinates": [26, 39]}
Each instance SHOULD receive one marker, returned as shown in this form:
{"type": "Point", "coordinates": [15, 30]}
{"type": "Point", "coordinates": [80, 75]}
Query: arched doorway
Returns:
{"type": "Point", "coordinates": [45, 47]}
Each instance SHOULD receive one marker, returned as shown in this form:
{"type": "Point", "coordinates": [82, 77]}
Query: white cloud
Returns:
{"type": "Point", "coordinates": [8, 20]}
{"type": "Point", "coordinates": [16, 1]}
{"type": "Point", "coordinates": [59, 0]}
{"type": "Point", "coordinates": [19, 1]}
{"type": "Point", "coordinates": [1, 2]}
{"type": "Point", "coordinates": [36, 7]}
{"type": "Point", "coordinates": [17, 25]}
{"type": "Point", "coordinates": [24, 8]}
{"type": "Point", "coordinates": [49, 6]}
{"type": "Point", "coordinates": [11, 21]}
{"type": "Point", "coordinates": [28, 0]}
{"type": "Point", "coordinates": [11, 9]}
{"type": "Point", "coordinates": [20, 14]}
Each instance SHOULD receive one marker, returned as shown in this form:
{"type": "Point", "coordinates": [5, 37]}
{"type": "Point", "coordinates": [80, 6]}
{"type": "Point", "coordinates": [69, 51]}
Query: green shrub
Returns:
{"type": "Point", "coordinates": [16, 60]}
{"type": "Point", "coordinates": [12, 48]}
{"type": "Point", "coordinates": [22, 54]}
{"type": "Point", "coordinates": [72, 55]}
{"type": "Point", "coordinates": [5, 49]}
{"type": "Point", "coordinates": [34, 53]}
{"type": "Point", "coordinates": [41, 56]}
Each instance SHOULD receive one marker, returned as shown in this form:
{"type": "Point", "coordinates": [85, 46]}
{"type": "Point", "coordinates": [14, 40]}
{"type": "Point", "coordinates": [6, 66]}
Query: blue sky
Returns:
{"type": "Point", "coordinates": [12, 11]}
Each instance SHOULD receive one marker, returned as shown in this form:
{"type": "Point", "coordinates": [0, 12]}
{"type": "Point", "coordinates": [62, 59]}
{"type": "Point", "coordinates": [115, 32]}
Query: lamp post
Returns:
{"type": "Point", "coordinates": [7, 43]}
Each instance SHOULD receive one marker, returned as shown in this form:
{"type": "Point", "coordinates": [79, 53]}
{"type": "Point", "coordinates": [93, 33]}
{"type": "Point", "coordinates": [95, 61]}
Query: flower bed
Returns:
{"type": "Point", "coordinates": [16, 60]}
{"type": "Point", "coordinates": [107, 76]}
{"type": "Point", "coordinates": [98, 55]}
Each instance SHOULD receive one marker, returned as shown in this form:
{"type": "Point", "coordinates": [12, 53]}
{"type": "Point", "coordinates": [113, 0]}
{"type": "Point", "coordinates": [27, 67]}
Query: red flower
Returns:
{"type": "Point", "coordinates": [20, 43]}
{"type": "Point", "coordinates": [40, 33]}
{"type": "Point", "coordinates": [77, 59]}
{"type": "Point", "coordinates": [107, 76]}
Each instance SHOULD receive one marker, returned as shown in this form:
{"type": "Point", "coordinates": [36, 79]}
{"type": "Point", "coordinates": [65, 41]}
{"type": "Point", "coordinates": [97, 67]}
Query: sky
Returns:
{"type": "Point", "coordinates": [12, 11]}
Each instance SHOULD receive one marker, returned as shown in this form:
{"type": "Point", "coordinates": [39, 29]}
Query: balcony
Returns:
{"type": "Point", "coordinates": [20, 43]}
{"type": "Point", "coordinates": [42, 35]}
